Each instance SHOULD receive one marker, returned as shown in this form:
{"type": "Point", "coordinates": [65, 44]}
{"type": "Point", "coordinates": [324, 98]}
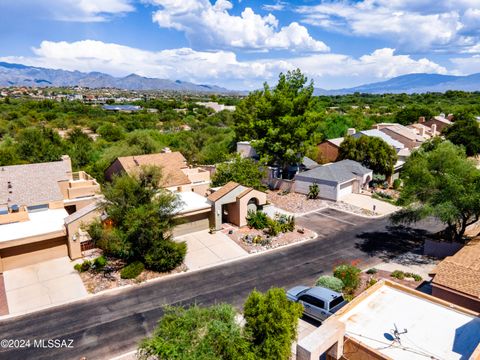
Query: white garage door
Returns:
{"type": "Point", "coordinates": [345, 189]}
{"type": "Point", "coordinates": [192, 224]}
{"type": "Point", "coordinates": [326, 191]}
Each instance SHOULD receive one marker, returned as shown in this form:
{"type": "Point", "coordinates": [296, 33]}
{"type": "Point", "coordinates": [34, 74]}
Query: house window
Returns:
{"type": "Point", "coordinates": [36, 208]}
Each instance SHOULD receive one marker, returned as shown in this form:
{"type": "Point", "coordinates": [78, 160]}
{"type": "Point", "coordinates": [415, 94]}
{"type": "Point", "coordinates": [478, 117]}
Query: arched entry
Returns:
{"type": "Point", "coordinates": [252, 204]}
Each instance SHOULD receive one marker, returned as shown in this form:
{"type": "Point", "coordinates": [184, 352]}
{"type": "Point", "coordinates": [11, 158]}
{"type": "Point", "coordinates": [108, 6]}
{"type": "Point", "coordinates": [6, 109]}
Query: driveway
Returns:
{"type": "Point", "coordinates": [42, 285]}
{"type": "Point", "coordinates": [367, 202]}
{"type": "Point", "coordinates": [205, 249]}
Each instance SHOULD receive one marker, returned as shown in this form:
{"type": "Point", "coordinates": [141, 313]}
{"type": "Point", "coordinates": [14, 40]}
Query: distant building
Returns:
{"type": "Point", "coordinates": [437, 123]}
{"type": "Point", "coordinates": [122, 108]}
{"type": "Point", "coordinates": [216, 106]}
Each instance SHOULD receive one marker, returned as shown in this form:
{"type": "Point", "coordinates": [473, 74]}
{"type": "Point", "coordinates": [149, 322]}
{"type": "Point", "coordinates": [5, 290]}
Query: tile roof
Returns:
{"type": "Point", "coordinates": [171, 164]}
{"type": "Point", "coordinates": [224, 190]}
{"type": "Point", "coordinates": [94, 206]}
{"type": "Point", "coordinates": [338, 172]}
{"type": "Point", "coordinates": [33, 184]}
{"type": "Point", "coordinates": [402, 131]}
{"type": "Point", "coordinates": [461, 272]}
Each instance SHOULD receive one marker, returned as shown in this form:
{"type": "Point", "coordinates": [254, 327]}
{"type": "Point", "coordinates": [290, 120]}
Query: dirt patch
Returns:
{"type": "Point", "coordinates": [366, 281]}
{"type": "Point", "coordinates": [245, 238]}
{"type": "Point", "coordinates": [109, 277]}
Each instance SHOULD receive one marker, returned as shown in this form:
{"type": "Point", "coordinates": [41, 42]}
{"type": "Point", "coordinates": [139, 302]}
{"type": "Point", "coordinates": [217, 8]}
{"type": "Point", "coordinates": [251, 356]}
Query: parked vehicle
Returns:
{"type": "Point", "coordinates": [318, 302]}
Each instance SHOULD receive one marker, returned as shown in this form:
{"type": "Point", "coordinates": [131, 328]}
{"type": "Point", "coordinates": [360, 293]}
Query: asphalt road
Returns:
{"type": "Point", "coordinates": [111, 324]}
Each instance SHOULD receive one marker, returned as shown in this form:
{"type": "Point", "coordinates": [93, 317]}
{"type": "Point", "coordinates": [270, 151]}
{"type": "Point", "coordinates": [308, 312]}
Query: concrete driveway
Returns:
{"type": "Point", "coordinates": [42, 285]}
{"type": "Point", "coordinates": [205, 249]}
{"type": "Point", "coordinates": [367, 202]}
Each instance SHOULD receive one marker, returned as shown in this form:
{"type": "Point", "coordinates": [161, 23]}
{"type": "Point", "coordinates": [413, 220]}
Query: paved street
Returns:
{"type": "Point", "coordinates": [113, 323]}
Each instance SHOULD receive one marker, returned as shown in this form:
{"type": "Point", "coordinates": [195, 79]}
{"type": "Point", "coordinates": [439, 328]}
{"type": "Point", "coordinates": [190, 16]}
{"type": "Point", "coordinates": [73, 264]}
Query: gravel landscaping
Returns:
{"type": "Point", "coordinates": [298, 203]}
{"type": "Point", "coordinates": [244, 237]}
{"type": "Point", "coordinates": [109, 278]}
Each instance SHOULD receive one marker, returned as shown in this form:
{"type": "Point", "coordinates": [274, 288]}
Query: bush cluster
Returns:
{"type": "Point", "coordinates": [257, 219]}
{"type": "Point", "coordinates": [400, 275]}
{"type": "Point", "coordinates": [350, 276]}
{"type": "Point", "coordinates": [281, 223]}
{"type": "Point", "coordinates": [131, 271]}
{"type": "Point", "coordinates": [330, 282]}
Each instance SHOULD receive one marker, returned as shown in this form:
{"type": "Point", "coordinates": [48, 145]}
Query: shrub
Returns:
{"type": "Point", "coordinates": [165, 256]}
{"type": "Point", "coordinates": [330, 282]}
{"type": "Point", "coordinates": [371, 271]}
{"type": "Point", "coordinates": [84, 266]}
{"type": "Point", "coordinates": [397, 183]}
{"type": "Point", "coordinates": [257, 219]}
{"type": "Point", "coordinates": [95, 230]}
{"type": "Point", "coordinates": [398, 274]}
{"type": "Point", "coordinates": [349, 274]}
{"type": "Point", "coordinates": [100, 262]}
{"type": "Point", "coordinates": [415, 277]}
{"type": "Point", "coordinates": [132, 270]}
{"type": "Point", "coordinates": [273, 227]}
{"type": "Point", "coordinates": [372, 281]}
{"type": "Point", "coordinates": [313, 191]}
{"type": "Point", "coordinates": [287, 223]}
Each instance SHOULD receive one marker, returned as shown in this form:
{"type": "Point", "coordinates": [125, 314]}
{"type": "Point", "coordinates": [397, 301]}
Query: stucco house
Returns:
{"type": "Point", "coordinates": [37, 201]}
{"type": "Point", "coordinates": [335, 180]}
{"type": "Point", "coordinates": [177, 175]}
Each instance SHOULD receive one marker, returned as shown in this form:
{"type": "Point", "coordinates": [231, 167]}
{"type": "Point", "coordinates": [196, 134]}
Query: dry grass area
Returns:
{"type": "Point", "coordinates": [281, 239]}
{"type": "Point", "coordinates": [97, 281]}
{"type": "Point", "coordinates": [365, 280]}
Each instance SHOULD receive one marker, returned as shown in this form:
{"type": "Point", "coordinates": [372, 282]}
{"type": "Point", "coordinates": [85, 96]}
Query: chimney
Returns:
{"type": "Point", "coordinates": [422, 131]}
{"type": "Point", "coordinates": [166, 150]}
{"type": "Point", "coordinates": [434, 129]}
{"type": "Point", "coordinates": [66, 159]}
{"type": "Point", "coordinates": [421, 119]}
{"type": "Point", "coordinates": [351, 131]}
{"type": "Point", "coordinates": [450, 117]}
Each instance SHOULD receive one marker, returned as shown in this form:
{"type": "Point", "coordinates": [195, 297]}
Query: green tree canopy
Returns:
{"type": "Point", "coordinates": [410, 114]}
{"type": "Point", "coordinates": [442, 183]}
{"type": "Point", "coordinates": [465, 131]}
{"type": "Point", "coordinates": [271, 323]}
{"type": "Point", "coordinates": [243, 171]}
{"type": "Point", "coordinates": [372, 152]}
{"type": "Point", "coordinates": [197, 333]}
{"type": "Point", "coordinates": [278, 121]}
{"type": "Point", "coordinates": [143, 217]}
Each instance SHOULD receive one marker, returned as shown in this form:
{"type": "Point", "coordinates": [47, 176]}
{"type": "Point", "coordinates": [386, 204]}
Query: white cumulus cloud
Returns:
{"type": "Point", "coordinates": [213, 25]}
{"type": "Point", "coordinates": [417, 25]}
{"type": "Point", "coordinates": [223, 67]}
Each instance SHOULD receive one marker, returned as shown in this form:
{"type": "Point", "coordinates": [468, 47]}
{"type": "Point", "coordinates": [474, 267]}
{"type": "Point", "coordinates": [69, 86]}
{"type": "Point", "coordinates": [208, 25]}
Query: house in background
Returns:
{"type": "Point", "coordinates": [177, 175]}
{"type": "Point", "coordinates": [457, 278]}
{"type": "Point", "coordinates": [335, 180]}
{"type": "Point", "coordinates": [402, 134]}
{"type": "Point", "coordinates": [328, 150]}
{"type": "Point", "coordinates": [437, 123]}
{"type": "Point", "coordinates": [391, 321]}
{"type": "Point", "coordinates": [35, 202]}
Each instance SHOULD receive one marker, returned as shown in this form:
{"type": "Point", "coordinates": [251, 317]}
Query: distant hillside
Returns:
{"type": "Point", "coordinates": [413, 83]}
{"type": "Point", "coordinates": [21, 75]}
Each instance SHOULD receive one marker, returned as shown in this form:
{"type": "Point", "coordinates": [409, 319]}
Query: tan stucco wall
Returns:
{"type": "Point", "coordinates": [23, 255]}
{"type": "Point", "coordinates": [74, 246]}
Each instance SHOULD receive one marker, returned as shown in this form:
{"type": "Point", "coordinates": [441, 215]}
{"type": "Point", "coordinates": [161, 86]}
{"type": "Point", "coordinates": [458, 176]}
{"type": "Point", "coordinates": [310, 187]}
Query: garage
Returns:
{"type": "Point", "coordinates": [327, 190]}
{"type": "Point", "coordinates": [23, 255]}
{"type": "Point", "coordinates": [193, 223]}
{"type": "Point", "coordinates": [345, 189]}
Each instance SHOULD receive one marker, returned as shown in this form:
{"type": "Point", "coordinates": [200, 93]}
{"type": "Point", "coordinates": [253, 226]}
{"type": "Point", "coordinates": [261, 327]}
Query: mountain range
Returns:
{"type": "Point", "coordinates": [22, 75]}
{"type": "Point", "coordinates": [413, 83]}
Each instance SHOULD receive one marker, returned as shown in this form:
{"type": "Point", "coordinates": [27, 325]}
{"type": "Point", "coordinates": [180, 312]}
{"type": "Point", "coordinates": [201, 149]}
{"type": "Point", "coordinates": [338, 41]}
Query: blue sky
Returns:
{"type": "Point", "coordinates": [241, 44]}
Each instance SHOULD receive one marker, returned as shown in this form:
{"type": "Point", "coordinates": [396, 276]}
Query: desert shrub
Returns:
{"type": "Point", "coordinates": [398, 274]}
{"type": "Point", "coordinates": [132, 270]}
{"type": "Point", "coordinates": [84, 266]}
{"type": "Point", "coordinates": [100, 262]}
{"type": "Point", "coordinates": [257, 219]}
{"type": "Point", "coordinates": [415, 277]}
{"type": "Point", "coordinates": [95, 230]}
{"type": "Point", "coordinates": [313, 191]}
{"type": "Point", "coordinates": [372, 281]}
{"type": "Point", "coordinates": [273, 227]}
{"type": "Point", "coordinates": [287, 223]}
{"type": "Point", "coordinates": [330, 282]}
{"type": "Point", "coordinates": [165, 256]}
{"type": "Point", "coordinates": [349, 274]}
{"type": "Point", "coordinates": [372, 271]}
{"type": "Point", "coordinates": [397, 183]}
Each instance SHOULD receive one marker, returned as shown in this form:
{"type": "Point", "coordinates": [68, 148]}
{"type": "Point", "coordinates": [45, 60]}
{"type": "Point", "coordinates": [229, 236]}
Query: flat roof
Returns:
{"type": "Point", "coordinates": [193, 202]}
{"type": "Point", "coordinates": [41, 222]}
{"type": "Point", "coordinates": [434, 330]}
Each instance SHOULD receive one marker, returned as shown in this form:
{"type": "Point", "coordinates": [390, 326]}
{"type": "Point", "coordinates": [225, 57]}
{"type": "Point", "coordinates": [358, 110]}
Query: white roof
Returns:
{"type": "Point", "coordinates": [433, 331]}
{"type": "Point", "coordinates": [193, 202]}
{"type": "Point", "coordinates": [41, 222]}
{"type": "Point", "coordinates": [377, 133]}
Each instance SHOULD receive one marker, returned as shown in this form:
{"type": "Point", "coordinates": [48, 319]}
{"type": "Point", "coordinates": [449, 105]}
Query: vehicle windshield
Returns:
{"type": "Point", "coordinates": [336, 302]}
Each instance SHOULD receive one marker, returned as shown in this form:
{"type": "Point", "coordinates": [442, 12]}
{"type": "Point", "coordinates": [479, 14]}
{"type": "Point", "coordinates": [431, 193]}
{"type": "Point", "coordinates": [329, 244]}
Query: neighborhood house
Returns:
{"type": "Point", "coordinates": [41, 208]}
